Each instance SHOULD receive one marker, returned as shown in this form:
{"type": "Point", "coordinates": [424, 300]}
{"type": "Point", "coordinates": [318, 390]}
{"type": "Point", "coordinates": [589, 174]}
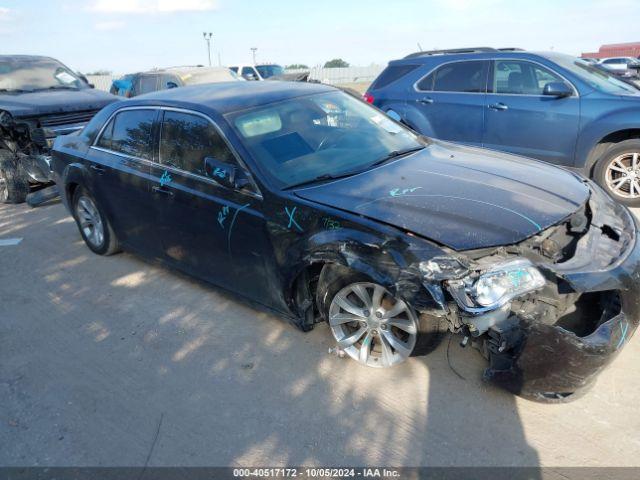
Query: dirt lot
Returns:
{"type": "Point", "coordinates": [112, 361]}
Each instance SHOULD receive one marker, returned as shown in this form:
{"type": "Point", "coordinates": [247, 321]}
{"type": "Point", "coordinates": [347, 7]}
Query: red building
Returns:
{"type": "Point", "coordinates": [616, 50]}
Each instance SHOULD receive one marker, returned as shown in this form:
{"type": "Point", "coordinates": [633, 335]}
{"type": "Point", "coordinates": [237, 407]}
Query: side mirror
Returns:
{"type": "Point", "coordinates": [172, 85]}
{"type": "Point", "coordinates": [557, 89]}
{"type": "Point", "coordinates": [221, 172]}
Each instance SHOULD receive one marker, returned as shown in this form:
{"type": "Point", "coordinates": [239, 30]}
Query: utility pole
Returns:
{"type": "Point", "coordinates": [207, 38]}
{"type": "Point", "coordinates": [253, 51]}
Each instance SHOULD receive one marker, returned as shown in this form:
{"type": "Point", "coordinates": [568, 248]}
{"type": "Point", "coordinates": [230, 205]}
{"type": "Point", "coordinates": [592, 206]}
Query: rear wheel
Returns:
{"type": "Point", "coordinates": [374, 327]}
{"type": "Point", "coordinates": [618, 172]}
{"type": "Point", "coordinates": [93, 225]}
{"type": "Point", "coordinates": [14, 185]}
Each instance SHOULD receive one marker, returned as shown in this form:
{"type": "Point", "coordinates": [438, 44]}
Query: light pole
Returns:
{"type": "Point", "coordinates": [207, 38]}
{"type": "Point", "coordinates": [253, 51]}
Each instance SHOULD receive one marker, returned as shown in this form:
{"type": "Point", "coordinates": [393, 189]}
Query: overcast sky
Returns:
{"type": "Point", "coordinates": [131, 35]}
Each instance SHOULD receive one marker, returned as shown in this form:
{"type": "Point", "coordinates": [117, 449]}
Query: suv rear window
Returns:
{"type": "Point", "coordinates": [391, 74]}
{"type": "Point", "coordinates": [467, 77]}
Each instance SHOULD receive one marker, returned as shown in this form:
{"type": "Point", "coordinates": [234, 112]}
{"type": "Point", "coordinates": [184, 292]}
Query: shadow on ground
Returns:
{"type": "Point", "coordinates": [112, 361]}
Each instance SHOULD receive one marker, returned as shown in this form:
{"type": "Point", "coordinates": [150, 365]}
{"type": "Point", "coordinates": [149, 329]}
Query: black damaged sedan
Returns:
{"type": "Point", "coordinates": [316, 205]}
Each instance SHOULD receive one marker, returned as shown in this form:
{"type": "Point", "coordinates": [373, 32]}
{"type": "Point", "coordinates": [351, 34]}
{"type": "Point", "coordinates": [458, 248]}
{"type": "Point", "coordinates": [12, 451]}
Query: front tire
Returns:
{"type": "Point", "coordinates": [371, 325]}
{"type": "Point", "coordinates": [618, 172]}
{"type": "Point", "coordinates": [94, 227]}
{"type": "Point", "coordinates": [14, 185]}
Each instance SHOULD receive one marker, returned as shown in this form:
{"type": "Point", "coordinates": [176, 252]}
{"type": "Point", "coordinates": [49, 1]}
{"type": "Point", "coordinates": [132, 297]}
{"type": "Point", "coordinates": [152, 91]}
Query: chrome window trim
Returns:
{"type": "Point", "coordinates": [256, 194]}
{"type": "Point", "coordinates": [493, 60]}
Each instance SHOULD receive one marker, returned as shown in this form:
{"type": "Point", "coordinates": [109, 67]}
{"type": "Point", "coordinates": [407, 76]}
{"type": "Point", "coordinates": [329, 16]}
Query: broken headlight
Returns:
{"type": "Point", "coordinates": [496, 286]}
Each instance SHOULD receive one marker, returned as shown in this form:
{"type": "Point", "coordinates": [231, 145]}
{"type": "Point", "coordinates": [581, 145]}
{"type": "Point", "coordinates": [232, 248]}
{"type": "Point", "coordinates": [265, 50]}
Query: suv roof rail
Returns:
{"type": "Point", "coordinates": [453, 50]}
{"type": "Point", "coordinates": [511, 49]}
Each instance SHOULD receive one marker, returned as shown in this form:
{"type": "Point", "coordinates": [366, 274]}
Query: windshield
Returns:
{"type": "Point", "coordinates": [267, 71]}
{"type": "Point", "coordinates": [594, 76]}
{"type": "Point", "coordinates": [31, 74]}
{"type": "Point", "coordinates": [330, 135]}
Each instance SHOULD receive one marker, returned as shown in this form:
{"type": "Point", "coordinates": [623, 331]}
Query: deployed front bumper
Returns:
{"type": "Point", "coordinates": [554, 364]}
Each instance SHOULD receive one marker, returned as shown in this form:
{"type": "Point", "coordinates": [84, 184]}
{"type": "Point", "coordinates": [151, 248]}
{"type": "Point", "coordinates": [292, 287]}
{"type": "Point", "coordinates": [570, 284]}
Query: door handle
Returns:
{"type": "Point", "coordinates": [426, 100]}
{"type": "Point", "coordinates": [97, 169]}
{"type": "Point", "coordinates": [162, 190]}
{"type": "Point", "coordinates": [498, 106]}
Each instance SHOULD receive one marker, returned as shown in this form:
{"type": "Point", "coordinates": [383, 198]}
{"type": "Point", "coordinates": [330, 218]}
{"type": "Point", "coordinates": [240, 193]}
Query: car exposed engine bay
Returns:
{"type": "Point", "coordinates": [544, 346]}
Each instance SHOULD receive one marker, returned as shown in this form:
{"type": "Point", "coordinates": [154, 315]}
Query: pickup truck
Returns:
{"type": "Point", "coordinates": [40, 99]}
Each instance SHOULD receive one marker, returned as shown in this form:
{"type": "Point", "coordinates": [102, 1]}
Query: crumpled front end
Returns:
{"type": "Point", "coordinates": [550, 343]}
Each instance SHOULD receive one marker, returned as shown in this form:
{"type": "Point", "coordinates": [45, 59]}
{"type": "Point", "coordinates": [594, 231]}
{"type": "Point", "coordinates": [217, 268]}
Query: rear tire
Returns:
{"type": "Point", "coordinates": [14, 185]}
{"type": "Point", "coordinates": [94, 226]}
{"type": "Point", "coordinates": [618, 172]}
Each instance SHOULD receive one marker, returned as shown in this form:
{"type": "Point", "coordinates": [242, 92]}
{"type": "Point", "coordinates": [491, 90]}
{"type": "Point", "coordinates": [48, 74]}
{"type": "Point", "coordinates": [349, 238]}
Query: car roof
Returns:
{"type": "Point", "coordinates": [228, 97]}
{"type": "Point", "coordinates": [478, 53]}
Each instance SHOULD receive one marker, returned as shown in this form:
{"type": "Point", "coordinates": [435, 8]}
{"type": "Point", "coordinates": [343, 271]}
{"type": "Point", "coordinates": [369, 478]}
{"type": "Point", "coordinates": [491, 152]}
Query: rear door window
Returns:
{"type": "Point", "coordinates": [468, 77]}
{"type": "Point", "coordinates": [130, 132]}
{"type": "Point", "coordinates": [186, 139]}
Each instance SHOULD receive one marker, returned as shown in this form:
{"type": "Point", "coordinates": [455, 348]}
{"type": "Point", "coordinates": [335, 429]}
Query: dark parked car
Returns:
{"type": "Point", "coordinates": [313, 203]}
{"type": "Point", "coordinates": [548, 106]}
{"type": "Point", "coordinates": [40, 98]}
{"type": "Point", "coordinates": [134, 84]}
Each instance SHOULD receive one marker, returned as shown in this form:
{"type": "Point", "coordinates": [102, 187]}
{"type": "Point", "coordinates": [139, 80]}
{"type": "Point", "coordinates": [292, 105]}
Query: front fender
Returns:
{"type": "Point", "coordinates": [389, 261]}
{"type": "Point", "coordinates": [599, 128]}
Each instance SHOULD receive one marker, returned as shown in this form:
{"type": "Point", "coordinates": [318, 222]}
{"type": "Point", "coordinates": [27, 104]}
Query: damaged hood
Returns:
{"type": "Point", "coordinates": [461, 197]}
{"type": "Point", "coordinates": [32, 104]}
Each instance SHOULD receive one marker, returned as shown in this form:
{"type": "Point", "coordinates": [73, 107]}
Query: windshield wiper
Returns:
{"type": "Point", "coordinates": [396, 154]}
{"type": "Point", "coordinates": [328, 176]}
{"type": "Point", "coordinates": [57, 87]}
{"type": "Point", "coordinates": [321, 178]}
{"type": "Point", "coordinates": [15, 90]}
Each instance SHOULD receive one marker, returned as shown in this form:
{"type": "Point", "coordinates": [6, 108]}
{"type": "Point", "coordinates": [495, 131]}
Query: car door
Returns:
{"type": "Point", "coordinates": [206, 227]}
{"type": "Point", "coordinates": [450, 101]}
{"type": "Point", "coordinates": [119, 162]}
{"type": "Point", "coordinates": [521, 120]}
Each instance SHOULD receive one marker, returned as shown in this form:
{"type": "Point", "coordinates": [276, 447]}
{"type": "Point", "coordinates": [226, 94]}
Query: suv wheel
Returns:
{"type": "Point", "coordinates": [618, 172]}
{"type": "Point", "coordinates": [14, 185]}
{"type": "Point", "coordinates": [374, 327]}
{"type": "Point", "coordinates": [93, 225]}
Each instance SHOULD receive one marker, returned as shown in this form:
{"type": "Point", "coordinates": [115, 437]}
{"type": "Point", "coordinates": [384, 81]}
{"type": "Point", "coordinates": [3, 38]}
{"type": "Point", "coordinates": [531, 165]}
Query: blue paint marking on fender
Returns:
{"type": "Point", "coordinates": [222, 215]}
{"type": "Point", "coordinates": [165, 178]}
{"type": "Point", "coordinates": [292, 220]}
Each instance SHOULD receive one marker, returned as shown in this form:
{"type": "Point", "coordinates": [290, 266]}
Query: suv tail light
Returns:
{"type": "Point", "coordinates": [368, 97]}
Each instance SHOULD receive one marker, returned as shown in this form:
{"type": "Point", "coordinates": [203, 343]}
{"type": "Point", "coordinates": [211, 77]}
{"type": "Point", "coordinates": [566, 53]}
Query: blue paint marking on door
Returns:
{"type": "Point", "coordinates": [165, 178]}
{"type": "Point", "coordinates": [233, 221]}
